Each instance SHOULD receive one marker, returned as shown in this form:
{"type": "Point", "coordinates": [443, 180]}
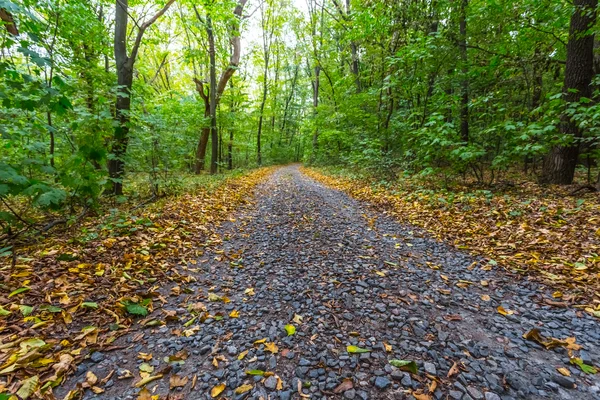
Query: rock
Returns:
{"type": "Point", "coordinates": [491, 396]}
{"type": "Point", "coordinates": [271, 383]}
{"type": "Point", "coordinates": [382, 383]}
{"type": "Point", "coordinates": [474, 393]}
{"type": "Point", "coordinates": [564, 381]}
{"type": "Point", "coordinates": [97, 357]}
{"type": "Point", "coordinates": [350, 394]}
{"type": "Point", "coordinates": [232, 350]}
{"type": "Point", "coordinates": [430, 368]}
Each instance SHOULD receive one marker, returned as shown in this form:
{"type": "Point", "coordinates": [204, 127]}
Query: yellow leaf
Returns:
{"type": "Point", "coordinates": [243, 389]}
{"type": "Point", "coordinates": [380, 273]}
{"type": "Point", "coordinates": [388, 347]}
{"type": "Point", "coordinates": [272, 347]}
{"type": "Point", "coordinates": [217, 390]}
{"type": "Point", "coordinates": [147, 380]}
{"type": "Point", "coordinates": [249, 291]}
{"type": "Point", "coordinates": [242, 355]}
{"type": "Point", "coordinates": [504, 312]}
{"type": "Point", "coordinates": [260, 341]}
{"type": "Point", "coordinates": [564, 371]}
{"type": "Point", "coordinates": [28, 387]}
{"type": "Point", "coordinates": [485, 297]}
{"type": "Point", "coordinates": [484, 283]}
{"type": "Point", "coordinates": [234, 314]}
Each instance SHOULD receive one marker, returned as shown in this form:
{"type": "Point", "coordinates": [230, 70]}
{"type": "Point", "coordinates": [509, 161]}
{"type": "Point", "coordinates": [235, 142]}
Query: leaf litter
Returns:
{"type": "Point", "coordinates": [63, 293]}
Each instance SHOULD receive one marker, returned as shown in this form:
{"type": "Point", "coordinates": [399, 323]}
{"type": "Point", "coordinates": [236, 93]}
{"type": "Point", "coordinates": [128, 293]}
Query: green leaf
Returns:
{"type": "Point", "coordinates": [135, 308]}
{"type": "Point", "coordinates": [405, 365]}
{"type": "Point", "coordinates": [18, 291]}
{"type": "Point", "coordinates": [588, 369]}
{"type": "Point", "coordinates": [50, 308]}
{"type": "Point", "coordinates": [290, 329]}
{"type": "Point", "coordinates": [25, 310]}
{"type": "Point", "coordinates": [3, 312]}
{"type": "Point", "coordinates": [89, 304]}
{"type": "Point", "coordinates": [356, 349]}
{"type": "Point", "coordinates": [255, 372]}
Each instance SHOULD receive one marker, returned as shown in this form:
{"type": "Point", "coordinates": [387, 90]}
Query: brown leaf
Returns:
{"type": "Point", "coordinates": [176, 381]}
{"type": "Point", "coordinates": [453, 370]}
{"type": "Point", "coordinates": [342, 387]}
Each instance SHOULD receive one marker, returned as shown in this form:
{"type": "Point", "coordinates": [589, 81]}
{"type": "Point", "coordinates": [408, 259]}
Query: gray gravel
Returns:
{"type": "Point", "coordinates": [356, 277]}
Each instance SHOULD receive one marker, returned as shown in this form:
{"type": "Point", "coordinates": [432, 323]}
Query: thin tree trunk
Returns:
{"type": "Point", "coordinates": [213, 97]}
{"type": "Point", "coordinates": [464, 84]}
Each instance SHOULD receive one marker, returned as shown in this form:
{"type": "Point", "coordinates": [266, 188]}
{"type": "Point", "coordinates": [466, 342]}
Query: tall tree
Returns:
{"type": "Point", "coordinates": [234, 61]}
{"type": "Point", "coordinates": [124, 65]}
{"type": "Point", "coordinates": [559, 164]}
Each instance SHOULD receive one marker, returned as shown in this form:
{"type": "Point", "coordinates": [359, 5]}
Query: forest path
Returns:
{"type": "Point", "coordinates": [352, 276]}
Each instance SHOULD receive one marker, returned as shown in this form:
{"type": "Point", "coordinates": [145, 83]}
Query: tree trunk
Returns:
{"type": "Point", "coordinates": [559, 164]}
{"type": "Point", "coordinates": [315, 139]}
{"type": "Point", "coordinates": [464, 84]}
{"type": "Point", "coordinates": [234, 61]}
{"type": "Point", "coordinates": [124, 64]}
{"type": "Point", "coordinates": [213, 98]}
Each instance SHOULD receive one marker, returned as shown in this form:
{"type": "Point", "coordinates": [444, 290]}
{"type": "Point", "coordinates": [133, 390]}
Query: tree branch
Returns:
{"type": "Point", "coordinates": [234, 61]}
{"type": "Point", "coordinates": [146, 25]}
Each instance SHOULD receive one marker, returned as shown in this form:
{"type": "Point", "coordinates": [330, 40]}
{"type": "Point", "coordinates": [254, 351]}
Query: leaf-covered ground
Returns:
{"type": "Point", "coordinates": [541, 233]}
{"type": "Point", "coordinates": [71, 297]}
{"type": "Point", "coordinates": [304, 293]}
{"type": "Point", "coordinates": [309, 293]}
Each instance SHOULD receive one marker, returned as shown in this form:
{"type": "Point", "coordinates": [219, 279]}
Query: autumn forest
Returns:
{"type": "Point", "coordinates": [277, 199]}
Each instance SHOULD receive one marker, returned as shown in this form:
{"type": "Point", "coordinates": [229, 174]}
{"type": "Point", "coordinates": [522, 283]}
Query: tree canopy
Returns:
{"type": "Point", "coordinates": [97, 95]}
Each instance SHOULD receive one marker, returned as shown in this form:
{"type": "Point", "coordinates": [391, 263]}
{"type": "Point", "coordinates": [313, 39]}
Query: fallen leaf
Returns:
{"type": "Point", "coordinates": [144, 394]}
{"type": "Point", "coordinates": [356, 349]}
{"type": "Point", "coordinates": [588, 369]}
{"type": "Point", "coordinates": [485, 297]}
{"type": "Point", "coordinates": [243, 389]}
{"type": "Point", "coordinates": [290, 329]}
{"type": "Point", "coordinates": [342, 387]}
{"type": "Point", "coordinates": [217, 390]}
{"type": "Point", "coordinates": [234, 314]}
{"type": "Point", "coordinates": [176, 381]}
{"type": "Point", "coordinates": [453, 370]}
{"type": "Point", "coordinates": [298, 318]}
{"type": "Point", "coordinates": [564, 371]}
{"type": "Point", "coordinates": [28, 387]}
{"type": "Point", "coordinates": [242, 355]}
{"type": "Point", "coordinates": [388, 347]}
{"type": "Point", "coordinates": [549, 343]}
{"type": "Point", "coordinates": [405, 365]}
{"type": "Point", "coordinates": [271, 347]}
{"type": "Point", "coordinates": [504, 312]}
{"type": "Point", "coordinates": [255, 372]}
{"type": "Point", "coordinates": [147, 380]}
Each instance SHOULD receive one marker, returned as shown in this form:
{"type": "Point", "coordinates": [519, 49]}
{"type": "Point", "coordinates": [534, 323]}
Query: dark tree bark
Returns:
{"type": "Point", "coordinates": [124, 64]}
{"type": "Point", "coordinates": [559, 164]}
{"type": "Point", "coordinates": [9, 22]}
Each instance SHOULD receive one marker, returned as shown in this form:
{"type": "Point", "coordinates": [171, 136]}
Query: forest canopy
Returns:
{"type": "Point", "coordinates": [110, 98]}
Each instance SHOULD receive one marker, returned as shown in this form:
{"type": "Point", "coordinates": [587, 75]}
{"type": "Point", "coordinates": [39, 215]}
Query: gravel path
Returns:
{"type": "Point", "coordinates": [356, 277]}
